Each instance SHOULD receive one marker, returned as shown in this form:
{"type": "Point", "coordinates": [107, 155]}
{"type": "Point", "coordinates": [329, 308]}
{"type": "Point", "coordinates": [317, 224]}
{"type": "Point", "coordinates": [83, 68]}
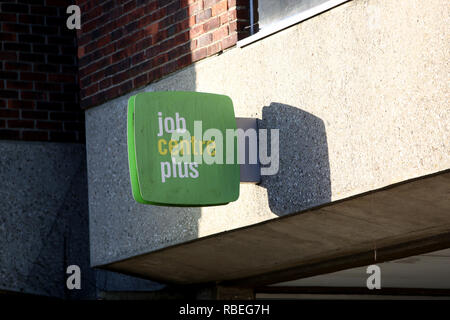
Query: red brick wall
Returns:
{"type": "Point", "coordinates": [124, 45]}
{"type": "Point", "coordinates": [38, 73]}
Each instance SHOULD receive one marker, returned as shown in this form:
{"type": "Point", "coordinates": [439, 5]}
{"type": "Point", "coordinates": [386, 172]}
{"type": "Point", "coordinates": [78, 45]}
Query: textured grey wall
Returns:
{"type": "Point", "coordinates": [43, 205]}
{"type": "Point", "coordinates": [44, 222]}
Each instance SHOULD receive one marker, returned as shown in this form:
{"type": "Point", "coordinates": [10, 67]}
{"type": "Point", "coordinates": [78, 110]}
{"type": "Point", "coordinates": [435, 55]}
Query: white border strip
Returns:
{"type": "Point", "coordinates": [285, 23]}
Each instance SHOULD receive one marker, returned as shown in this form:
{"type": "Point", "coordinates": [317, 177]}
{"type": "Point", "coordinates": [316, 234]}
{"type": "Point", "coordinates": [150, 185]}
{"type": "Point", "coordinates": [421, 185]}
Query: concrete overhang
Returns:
{"type": "Point", "coordinates": [397, 221]}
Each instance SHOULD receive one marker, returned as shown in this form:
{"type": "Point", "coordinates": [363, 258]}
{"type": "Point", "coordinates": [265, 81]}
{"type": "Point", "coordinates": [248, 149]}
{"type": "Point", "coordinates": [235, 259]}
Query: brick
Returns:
{"type": "Point", "coordinates": [38, 29]}
{"type": "Point", "coordinates": [72, 87]}
{"type": "Point", "coordinates": [62, 78]}
{"type": "Point", "coordinates": [9, 94]}
{"type": "Point", "coordinates": [34, 115]}
{"type": "Point", "coordinates": [178, 51]}
{"type": "Point", "coordinates": [119, 55]}
{"type": "Point", "coordinates": [32, 57]}
{"type": "Point", "coordinates": [43, 10]}
{"type": "Point", "coordinates": [43, 48]}
{"type": "Point", "coordinates": [72, 106]}
{"type": "Point", "coordinates": [181, 15]}
{"type": "Point", "coordinates": [195, 8]}
{"type": "Point", "coordinates": [57, 3]}
{"type": "Point", "coordinates": [15, 27]}
{"type": "Point", "coordinates": [205, 40]}
{"type": "Point", "coordinates": [23, 47]}
{"type": "Point", "coordinates": [184, 61]}
{"type": "Point", "coordinates": [140, 81]}
{"type": "Point", "coordinates": [66, 50]}
{"type": "Point", "coordinates": [183, 25]}
{"type": "Point", "coordinates": [10, 134]}
{"type": "Point", "coordinates": [173, 7]}
{"type": "Point", "coordinates": [203, 16]}
{"type": "Point", "coordinates": [209, 3]}
{"type": "Point", "coordinates": [193, 44]}
{"type": "Point", "coordinates": [61, 40]}
{"type": "Point", "coordinates": [229, 41]}
{"type": "Point", "coordinates": [14, 124]}
{"type": "Point", "coordinates": [64, 116]}
{"type": "Point", "coordinates": [9, 75]}
{"type": "Point", "coordinates": [90, 90]}
{"type": "Point", "coordinates": [132, 38]}
{"type": "Point", "coordinates": [9, 113]}
{"type": "Point", "coordinates": [143, 44]}
{"type": "Point", "coordinates": [46, 68]}
{"type": "Point", "coordinates": [7, 36]}
{"type": "Point", "coordinates": [223, 18]}
{"type": "Point", "coordinates": [17, 66]}
{"type": "Point", "coordinates": [92, 14]}
{"type": "Point", "coordinates": [33, 38]}
{"type": "Point", "coordinates": [63, 136]}
{"type": "Point", "coordinates": [169, 67]}
{"type": "Point", "coordinates": [8, 17]}
{"type": "Point", "coordinates": [59, 59]}
{"type": "Point", "coordinates": [144, 21]}
{"type": "Point", "coordinates": [14, 8]}
{"type": "Point", "coordinates": [73, 126]}
{"type": "Point", "coordinates": [61, 96]}
{"type": "Point", "coordinates": [33, 76]}
{"type": "Point", "coordinates": [219, 8]}
{"type": "Point", "coordinates": [161, 59]}
{"type": "Point", "coordinates": [214, 48]}
{"type": "Point", "coordinates": [125, 87]}
{"type": "Point", "coordinates": [47, 86]}
{"type": "Point", "coordinates": [31, 19]}
{"type": "Point", "coordinates": [211, 24]}
{"type": "Point", "coordinates": [104, 41]}
{"type": "Point", "coordinates": [8, 56]}
{"type": "Point", "coordinates": [138, 58]}
{"type": "Point", "coordinates": [49, 105]}
{"type": "Point", "coordinates": [35, 135]}
{"type": "Point", "coordinates": [220, 33]}
{"type": "Point", "coordinates": [129, 5]}
{"type": "Point", "coordinates": [20, 104]}
{"type": "Point", "coordinates": [105, 83]}
{"type": "Point", "coordinates": [196, 31]}
{"type": "Point", "coordinates": [154, 74]}
{"type": "Point", "coordinates": [19, 85]}
{"type": "Point", "coordinates": [32, 95]}
{"type": "Point", "coordinates": [199, 54]}
{"type": "Point", "coordinates": [232, 15]}
{"type": "Point", "coordinates": [49, 125]}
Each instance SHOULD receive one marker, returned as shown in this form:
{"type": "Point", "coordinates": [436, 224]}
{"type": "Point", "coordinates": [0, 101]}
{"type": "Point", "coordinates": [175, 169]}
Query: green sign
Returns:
{"type": "Point", "coordinates": [176, 149]}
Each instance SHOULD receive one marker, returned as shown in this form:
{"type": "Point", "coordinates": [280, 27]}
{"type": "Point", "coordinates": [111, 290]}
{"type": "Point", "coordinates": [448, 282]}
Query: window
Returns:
{"type": "Point", "coordinates": [275, 15]}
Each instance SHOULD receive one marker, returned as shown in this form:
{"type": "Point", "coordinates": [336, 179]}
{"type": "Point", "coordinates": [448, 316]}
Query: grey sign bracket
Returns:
{"type": "Point", "coordinates": [250, 173]}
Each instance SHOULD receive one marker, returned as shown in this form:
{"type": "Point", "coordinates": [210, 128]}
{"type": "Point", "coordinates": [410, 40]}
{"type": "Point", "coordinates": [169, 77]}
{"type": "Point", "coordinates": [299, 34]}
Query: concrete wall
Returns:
{"type": "Point", "coordinates": [359, 93]}
{"type": "Point", "coordinates": [43, 217]}
{"type": "Point", "coordinates": [44, 223]}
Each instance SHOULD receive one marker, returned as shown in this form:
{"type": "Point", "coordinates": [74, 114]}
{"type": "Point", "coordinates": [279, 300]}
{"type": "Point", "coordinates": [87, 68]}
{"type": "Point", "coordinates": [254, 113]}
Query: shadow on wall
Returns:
{"type": "Point", "coordinates": [303, 179]}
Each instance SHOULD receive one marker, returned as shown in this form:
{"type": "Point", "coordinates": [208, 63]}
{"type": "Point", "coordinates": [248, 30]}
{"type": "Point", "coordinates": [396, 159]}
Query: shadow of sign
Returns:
{"type": "Point", "coordinates": [303, 178]}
